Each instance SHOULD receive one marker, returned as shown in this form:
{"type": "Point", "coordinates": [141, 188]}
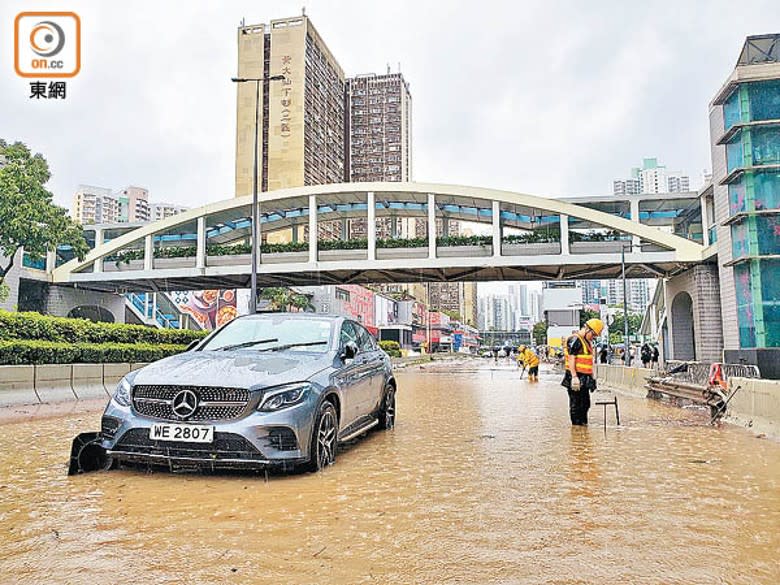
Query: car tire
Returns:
{"type": "Point", "coordinates": [387, 410]}
{"type": "Point", "coordinates": [324, 439]}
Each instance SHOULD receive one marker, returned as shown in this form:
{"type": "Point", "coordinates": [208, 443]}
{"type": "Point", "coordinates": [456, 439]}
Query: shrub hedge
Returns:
{"type": "Point", "coordinates": [16, 352]}
{"type": "Point", "coordinates": [391, 348]}
{"type": "Point", "coordinates": [126, 256]}
{"type": "Point", "coordinates": [34, 326]}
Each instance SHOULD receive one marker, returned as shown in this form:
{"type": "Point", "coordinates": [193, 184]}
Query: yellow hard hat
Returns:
{"type": "Point", "coordinates": [595, 325]}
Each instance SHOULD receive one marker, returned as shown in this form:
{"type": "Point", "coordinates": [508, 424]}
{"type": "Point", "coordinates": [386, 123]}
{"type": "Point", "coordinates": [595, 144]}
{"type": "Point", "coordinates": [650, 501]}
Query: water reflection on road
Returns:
{"type": "Point", "coordinates": [482, 481]}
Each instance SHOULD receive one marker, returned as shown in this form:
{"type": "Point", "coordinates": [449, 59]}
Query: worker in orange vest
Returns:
{"type": "Point", "coordinates": [579, 380]}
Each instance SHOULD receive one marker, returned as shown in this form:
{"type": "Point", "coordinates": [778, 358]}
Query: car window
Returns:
{"type": "Point", "coordinates": [348, 334]}
{"type": "Point", "coordinates": [275, 330]}
{"type": "Point", "coordinates": [366, 339]}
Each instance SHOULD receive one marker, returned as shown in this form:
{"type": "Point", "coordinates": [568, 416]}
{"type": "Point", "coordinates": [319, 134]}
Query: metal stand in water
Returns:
{"type": "Point", "coordinates": [606, 403]}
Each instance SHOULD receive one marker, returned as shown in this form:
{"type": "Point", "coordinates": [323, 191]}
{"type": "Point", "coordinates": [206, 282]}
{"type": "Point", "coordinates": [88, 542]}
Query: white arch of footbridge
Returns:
{"type": "Point", "coordinates": [649, 251]}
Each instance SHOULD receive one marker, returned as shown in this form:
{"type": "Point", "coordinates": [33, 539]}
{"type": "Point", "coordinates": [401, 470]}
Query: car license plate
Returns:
{"type": "Point", "coordinates": [185, 433]}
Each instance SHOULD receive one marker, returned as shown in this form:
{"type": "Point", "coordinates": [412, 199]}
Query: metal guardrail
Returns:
{"type": "Point", "coordinates": [698, 373]}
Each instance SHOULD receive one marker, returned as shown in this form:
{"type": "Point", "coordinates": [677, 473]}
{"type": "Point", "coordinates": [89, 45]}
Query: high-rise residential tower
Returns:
{"type": "Point", "coordinates": [301, 130]}
{"type": "Point", "coordinates": [134, 204]}
{"type": "Point", "coordinates": [380, 130]}
{"type": "Point", "coordinates": [93, 205]}
{"type": "Point", "coordinates": [651, 178]}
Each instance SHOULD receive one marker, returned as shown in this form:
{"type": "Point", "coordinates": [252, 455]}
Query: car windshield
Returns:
{"type": "Point", "coordinates": [269, 333]}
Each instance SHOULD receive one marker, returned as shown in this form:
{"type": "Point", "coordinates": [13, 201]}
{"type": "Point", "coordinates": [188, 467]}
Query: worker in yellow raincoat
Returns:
{"type": "Point", "coordinates": [530, 360]}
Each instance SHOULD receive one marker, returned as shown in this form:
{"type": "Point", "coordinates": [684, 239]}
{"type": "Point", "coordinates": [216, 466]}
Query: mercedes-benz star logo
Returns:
{"type": "Point", "coordinates": [184, 404]}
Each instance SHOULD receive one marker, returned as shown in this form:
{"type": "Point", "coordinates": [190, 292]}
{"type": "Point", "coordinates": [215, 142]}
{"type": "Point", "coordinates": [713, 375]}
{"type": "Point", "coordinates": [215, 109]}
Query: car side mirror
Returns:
{"type": "Point", "coordinates": [193, 344]}
{"type": "Point", "coordinates": [350, 351]}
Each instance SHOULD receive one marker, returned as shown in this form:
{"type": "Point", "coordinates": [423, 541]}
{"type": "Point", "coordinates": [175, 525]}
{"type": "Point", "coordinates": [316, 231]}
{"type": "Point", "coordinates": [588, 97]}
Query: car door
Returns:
{"type": "Point", "coordinates": [351, 377]}
{"type": "Point", "coordinates": [372, 360]}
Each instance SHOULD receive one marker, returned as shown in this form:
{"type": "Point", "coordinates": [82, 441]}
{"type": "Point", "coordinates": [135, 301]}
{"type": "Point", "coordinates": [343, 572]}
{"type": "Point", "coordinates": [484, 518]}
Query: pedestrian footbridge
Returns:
{"type": "Point", "coordinates": [395, 232]}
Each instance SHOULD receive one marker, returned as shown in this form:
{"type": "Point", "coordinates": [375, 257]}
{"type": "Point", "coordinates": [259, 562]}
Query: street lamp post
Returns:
{"type": "Point", "coordinates": [626, 354]}
{"type": "Point", "coordinates": [255, 203]}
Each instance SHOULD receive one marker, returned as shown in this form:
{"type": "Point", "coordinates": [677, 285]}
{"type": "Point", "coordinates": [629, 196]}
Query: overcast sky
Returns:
{"type": "Point", "coordinates": [550, 98]}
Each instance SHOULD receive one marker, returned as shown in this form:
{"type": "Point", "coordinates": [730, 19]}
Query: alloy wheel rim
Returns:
{"type": "Point", "coordinates": [390, 410]}
{"type": "Point", "coordinates": [326, 440]}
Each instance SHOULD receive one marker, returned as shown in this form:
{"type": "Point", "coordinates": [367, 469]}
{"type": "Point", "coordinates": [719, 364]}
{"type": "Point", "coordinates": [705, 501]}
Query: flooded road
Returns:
{"type": "Point", "coordinates": [482, 481]}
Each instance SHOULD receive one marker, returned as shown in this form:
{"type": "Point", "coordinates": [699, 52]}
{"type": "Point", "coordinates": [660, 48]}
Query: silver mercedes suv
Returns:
{"type": "Point", "coordinates": [276, 389]}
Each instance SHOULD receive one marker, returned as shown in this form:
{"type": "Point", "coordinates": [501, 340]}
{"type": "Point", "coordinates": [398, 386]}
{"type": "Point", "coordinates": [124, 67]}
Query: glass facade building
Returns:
{"type": "Point", "coordinates": [751, 137]}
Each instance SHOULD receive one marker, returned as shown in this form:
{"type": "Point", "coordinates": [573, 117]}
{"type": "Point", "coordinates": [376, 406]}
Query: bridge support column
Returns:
{"type": "Point", "coordinates": [635, 242]}
{"type": "Point", "coordinates": [200, 252]}
{"type": "Point", "coordinates": [496, 228]}
{"type": "Point", "coordinates": [98, 266]}
{"type": "Point", "coordinates": [564, 219]}
{"type": "Point", "coordinates": [148, 252]}
{"type": "Point", "coordinates": [51, 260]}
{"type": "Point", "coordinates": [313, 230]}
{"type": "Point", "coordinates": [371, 231]}
{"type": "Point", "coordinates": [431, 225]}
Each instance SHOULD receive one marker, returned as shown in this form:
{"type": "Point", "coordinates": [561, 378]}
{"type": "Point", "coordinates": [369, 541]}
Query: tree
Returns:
{"type": "Point", "coordinates": [28, 217]}
{"type": "Point", "coordinates": [587, 314]}
{"type": "Point", "coordinates": [454, 315]}
{"type": "Point", "coordinates": [283, 299]}
{"type": "Point", "coordinates": [616, 328]}
{"type": "Point", "coordinates": [540, 333]}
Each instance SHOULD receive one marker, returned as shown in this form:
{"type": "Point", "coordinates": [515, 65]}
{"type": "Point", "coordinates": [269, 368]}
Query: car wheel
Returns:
{"type": "Point", "coordinates": [325, 437]}
{"type": "Point", "coordinates": [387, 410]}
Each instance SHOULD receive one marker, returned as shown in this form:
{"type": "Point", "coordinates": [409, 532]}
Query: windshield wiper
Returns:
{"type": "Point", "coordinates": [289, 345]}
{"type": "Point", "coordinates": [245, 344]}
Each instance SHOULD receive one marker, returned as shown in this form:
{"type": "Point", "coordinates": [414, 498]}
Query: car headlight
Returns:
{"type": "Point", "coordinates": [284, 397]}
{"type": "Point", "coordinates": [122, 394]}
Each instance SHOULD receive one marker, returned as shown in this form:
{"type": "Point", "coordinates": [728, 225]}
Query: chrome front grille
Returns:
{"type": "Point", "coordinates": [214, 403]}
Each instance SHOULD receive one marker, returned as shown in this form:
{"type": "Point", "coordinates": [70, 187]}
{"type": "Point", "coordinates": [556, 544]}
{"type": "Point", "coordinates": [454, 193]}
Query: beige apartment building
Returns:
{"type": "Point", "coordinates": [93, 205]}
{"type": "Point", "coordinates": [301, 118]}
{"type": "Point", "coordinates": [99, 205]}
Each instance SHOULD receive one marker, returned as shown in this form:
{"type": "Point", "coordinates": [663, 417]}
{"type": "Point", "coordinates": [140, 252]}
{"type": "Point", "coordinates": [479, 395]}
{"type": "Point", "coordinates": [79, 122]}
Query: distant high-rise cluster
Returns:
{"type": "Point", "coordinates": [638, 290]}
{"type": "Point", "coordinates": [99, 205]}
{"type": "Point", "coordinates": [517, 310]}
{"type": "Point", "coordinates": [651, 178]}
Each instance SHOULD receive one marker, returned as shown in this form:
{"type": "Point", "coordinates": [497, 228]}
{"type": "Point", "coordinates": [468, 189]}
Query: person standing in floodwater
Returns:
{"type": "Point", "coordinates": [579, 380]}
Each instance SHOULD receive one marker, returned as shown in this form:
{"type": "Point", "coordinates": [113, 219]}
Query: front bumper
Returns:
{"type": "Point", "coordinates": [255, 441]}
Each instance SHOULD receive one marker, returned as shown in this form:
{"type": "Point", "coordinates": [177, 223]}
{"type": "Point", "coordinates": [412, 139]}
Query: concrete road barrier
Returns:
{"type": "Point", "coordinates": [755, 404]}
{"type": "Point", "coordinates": [53, 382]}
{"type": "Point", "coordinates": [112, 374]}
{"type": "Point", "coordinates": [17, 385]}
{"type": "Point", "coordinates": [88, 381]}
{"type": "Point", "coordinates": [630, 380]}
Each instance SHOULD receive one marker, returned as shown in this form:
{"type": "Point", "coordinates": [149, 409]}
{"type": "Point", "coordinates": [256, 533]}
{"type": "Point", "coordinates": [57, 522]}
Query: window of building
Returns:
{"type": "Point", "coordinates": [342, 295]}
{"type": "Point", "coordinates": [764, 100]}
{"type": "Point", "coordinates": [734, 158]}
{"type": "Point", "coordinates": [766, 146]}
{"type": "Point", "coordinates": [766, 190]}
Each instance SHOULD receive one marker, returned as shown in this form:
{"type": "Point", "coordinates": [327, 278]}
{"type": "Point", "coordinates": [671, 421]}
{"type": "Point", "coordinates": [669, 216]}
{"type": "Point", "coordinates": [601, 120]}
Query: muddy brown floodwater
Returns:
{"type": "Point", "coordinates": [482, 481]}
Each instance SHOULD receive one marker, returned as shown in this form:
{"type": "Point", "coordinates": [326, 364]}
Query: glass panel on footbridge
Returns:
{"type": "Point", "coordinates": [285, 225]}
{"type": "Point", "coordinates": [463, 226]}
{"type": "Point", "coordinates": [589, 237]}
{"type": "Point", "coordinates": [176, 246]}
{"type": "Point", "coordinates": [342, 226]}
{"type": "Point", "coordinates": [680, 216]}
{"type": "Point", "coordinates": [401, 225]}
{"type": "Point", "coordinates": [527, 231]}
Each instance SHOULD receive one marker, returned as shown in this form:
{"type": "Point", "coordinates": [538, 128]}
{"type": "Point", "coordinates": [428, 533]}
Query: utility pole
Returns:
{"type": "Point", "coordinates": [626, 352]}
{"type": "Point", "coordinates": [255, 214]}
